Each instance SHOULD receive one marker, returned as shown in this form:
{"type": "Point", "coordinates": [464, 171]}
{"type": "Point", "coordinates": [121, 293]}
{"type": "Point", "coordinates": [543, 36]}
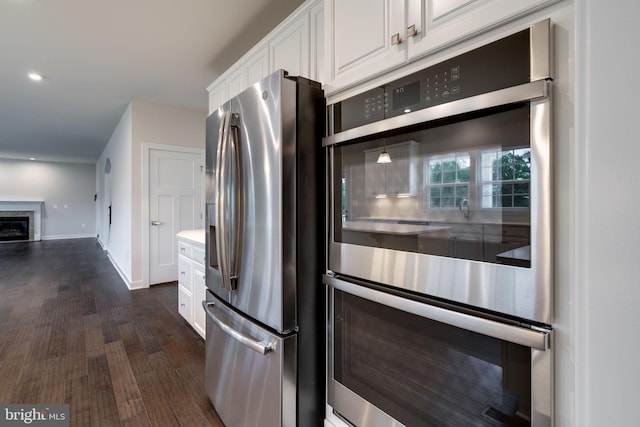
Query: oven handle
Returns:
{"type": "Point", "coordinates": [532, 338]}
{"type": "Point", "coordinates": [262, 347]}
{"type": "Point", "coordinates": [511, 95]}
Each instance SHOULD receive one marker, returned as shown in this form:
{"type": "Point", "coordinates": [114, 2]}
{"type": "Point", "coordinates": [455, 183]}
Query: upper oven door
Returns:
{"type": "Point", "coordinates": [452, 201]}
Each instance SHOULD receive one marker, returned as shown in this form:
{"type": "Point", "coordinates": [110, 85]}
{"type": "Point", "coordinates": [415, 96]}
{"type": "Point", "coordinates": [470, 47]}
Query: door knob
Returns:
{"type": "Point", "coordinates": [156, 222]}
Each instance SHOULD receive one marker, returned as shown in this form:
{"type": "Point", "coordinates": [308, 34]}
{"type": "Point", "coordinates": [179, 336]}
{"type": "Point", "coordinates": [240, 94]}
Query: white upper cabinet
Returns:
{"type": "Point", "coordinates": [399, 178]}
{"type": "Point", "coordinates": [296, 45]}
{"type": "Point", "coordinates": [436, 24]}
{"type": "Point", "coordinates": [236, 82]}
{"type": "Point", "coordinates": [366, 38]}
{"type": "Point", "coordinates": [363, 38]}
{"type": "Point", "coordinates": [289, 50]}
{"type": "Point", "coordinates": [257, 66]}
{"type": "Point", "coordinates": [217, 95]}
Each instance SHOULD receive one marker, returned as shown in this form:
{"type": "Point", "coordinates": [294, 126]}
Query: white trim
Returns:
{"type": "Point", "coordinates": [123, 276]}
{"type": "Point", "coordinates": [138, 284]}
{"type": "Point", "coordinates": [146, 149]}
{"type": "Point", "coordinates": [69, 236]}
{"type": "Point", "coordinates": [102, 245]}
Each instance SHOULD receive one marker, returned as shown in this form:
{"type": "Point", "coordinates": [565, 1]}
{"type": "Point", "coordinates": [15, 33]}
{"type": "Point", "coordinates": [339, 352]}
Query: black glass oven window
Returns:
{"type": "Point", "coordinates": [425, 373]}
{"type": "Point", "coordinates": [457, 188]}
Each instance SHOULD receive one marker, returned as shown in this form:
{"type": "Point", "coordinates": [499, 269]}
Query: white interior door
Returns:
{"type": "Point", "coordinates": [174, 205]}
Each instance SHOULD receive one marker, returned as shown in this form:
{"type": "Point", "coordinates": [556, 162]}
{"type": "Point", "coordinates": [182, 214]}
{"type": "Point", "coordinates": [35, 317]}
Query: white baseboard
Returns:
{"type": "Point", "coordinates": [131, 285]}
{"type": "Point", "coordinates": [137, 285]}
{"type": "Point", "coordinates": [68, 236]}
{"type": "Point", "coordinates": [123, 276]}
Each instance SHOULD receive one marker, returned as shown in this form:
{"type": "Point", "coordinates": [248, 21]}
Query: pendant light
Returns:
{"type": "Point", "coordinates": [384, 157]}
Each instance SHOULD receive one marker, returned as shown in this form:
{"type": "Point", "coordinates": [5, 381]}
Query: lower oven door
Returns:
{"type": "Point", "coordinates": [250, 372]}
{"type": "Point", "coordinates": [397, 361]}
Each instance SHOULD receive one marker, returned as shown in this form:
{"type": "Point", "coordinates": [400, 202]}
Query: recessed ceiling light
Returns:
{"type": "Point", "coordinates": [32, 158]}
{"type": "Point", "coordinates": [35, 76]}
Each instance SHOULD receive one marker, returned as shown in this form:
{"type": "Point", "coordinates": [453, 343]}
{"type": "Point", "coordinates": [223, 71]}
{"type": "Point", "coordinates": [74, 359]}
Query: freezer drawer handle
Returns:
{"type": "Point", "coordinates": [262, 347]}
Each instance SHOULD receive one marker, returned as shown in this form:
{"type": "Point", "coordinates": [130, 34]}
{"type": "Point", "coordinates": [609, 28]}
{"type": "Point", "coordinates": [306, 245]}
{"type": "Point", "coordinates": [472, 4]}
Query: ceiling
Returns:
{"type": "Point", "coordinates": [98, 55]}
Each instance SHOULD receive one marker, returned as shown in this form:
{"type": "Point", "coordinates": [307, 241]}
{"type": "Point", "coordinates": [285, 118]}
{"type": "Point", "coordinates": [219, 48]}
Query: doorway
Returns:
{"type": "Point", "coordinates": [173, 189]}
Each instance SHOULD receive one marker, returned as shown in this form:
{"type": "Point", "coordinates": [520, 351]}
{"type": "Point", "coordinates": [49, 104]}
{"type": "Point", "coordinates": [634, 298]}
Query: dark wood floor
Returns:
{"type": "Point", "coordinates": [71, 332]}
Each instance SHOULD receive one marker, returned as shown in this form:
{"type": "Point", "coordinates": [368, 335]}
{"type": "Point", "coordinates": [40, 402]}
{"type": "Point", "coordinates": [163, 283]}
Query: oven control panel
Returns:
{"type": "Point", "coordinates": [495, 66]}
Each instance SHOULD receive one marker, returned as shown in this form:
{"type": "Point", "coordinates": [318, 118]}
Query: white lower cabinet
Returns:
{"type": "Point", "coordinates": [199, 295]}
{"type": "Point", "coordinates": [191, 278]}
{"type": "Point", "coordinates": [184, 303]}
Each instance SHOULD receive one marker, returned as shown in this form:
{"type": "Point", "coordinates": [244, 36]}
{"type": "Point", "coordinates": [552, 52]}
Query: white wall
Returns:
{"type": "Point", "coordinates": [117, 238]}
{"type": "Point", "coordinates": [141, 123]}
{"type": "Point", "coordinates": [607, 285]}
{"type": "Point", "coordinates": [159, 124]}
{"type": "Point", "coordinates": [67, 190]}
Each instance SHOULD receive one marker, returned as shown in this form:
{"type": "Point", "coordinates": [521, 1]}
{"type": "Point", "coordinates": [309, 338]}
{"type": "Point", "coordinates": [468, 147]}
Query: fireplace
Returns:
{"type": "Point", "coordinates": [14, 228]}
{"type": "Point", "coordinates": [20, 221]}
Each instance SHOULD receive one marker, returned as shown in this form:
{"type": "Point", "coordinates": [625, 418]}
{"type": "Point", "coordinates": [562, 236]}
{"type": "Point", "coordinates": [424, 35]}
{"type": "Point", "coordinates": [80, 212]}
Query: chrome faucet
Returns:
{"type": "Point", "coordinates": [464, 206]}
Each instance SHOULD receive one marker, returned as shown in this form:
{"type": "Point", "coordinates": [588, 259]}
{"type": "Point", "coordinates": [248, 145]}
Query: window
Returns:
{"type": "Point", "coordinates": [505, 176]}
{"type": "Point", "coordinates": [448, 180]}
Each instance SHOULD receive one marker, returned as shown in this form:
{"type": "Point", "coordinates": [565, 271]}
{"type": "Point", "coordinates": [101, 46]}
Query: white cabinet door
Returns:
{"type": "Point", "coordinates": [257, 66]}
{"type": "Point", "coordinates": [375, 174]}
{"type": "Point", "coordinates": [199, 295]}
{"type": "Point", "coordinates": [185, 270]}
{"type": "Point", "coordinates": [403, 172]}
{"type": "Point", "coordinates": [236, 82]}
{"type": "Point", "coordinates": [217, 96]}
{"type": "Point", "coordinates": [185, 304]}
{"type": "Point", "coordinates": [400, 178]}
{"type": "Point", "coordinates": [289, 50]}
{"type": "Point", "coordinates": [440, 23]}
{"type": "Point", "coordinates": [359, 39]}
{"type": "Point", "coordinates": [296, 45]}
{"type": "Point", "coordinates": [360, 33]}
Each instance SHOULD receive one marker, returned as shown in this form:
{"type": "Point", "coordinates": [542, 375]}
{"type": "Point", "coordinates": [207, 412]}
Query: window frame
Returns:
{"type": "Point", "coordinates": [475, 185]}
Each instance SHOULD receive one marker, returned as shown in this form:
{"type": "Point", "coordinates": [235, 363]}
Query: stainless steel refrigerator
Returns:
{"type": "Point", "coordinates": [264, 193]}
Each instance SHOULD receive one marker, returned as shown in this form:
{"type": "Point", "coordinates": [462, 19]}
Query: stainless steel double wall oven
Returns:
{"type": "Point", "coordinates": [440, 243]}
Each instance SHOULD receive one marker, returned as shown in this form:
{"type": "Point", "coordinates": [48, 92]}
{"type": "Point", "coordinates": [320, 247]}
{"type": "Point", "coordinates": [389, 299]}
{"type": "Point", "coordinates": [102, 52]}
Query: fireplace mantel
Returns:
{"type": "Point", "coordinates": [26, 205]}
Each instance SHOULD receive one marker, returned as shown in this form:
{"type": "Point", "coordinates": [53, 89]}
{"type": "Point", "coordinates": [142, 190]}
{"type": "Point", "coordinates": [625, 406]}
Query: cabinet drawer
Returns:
{"type": "Point", "coordinates": [184, 304]}
{"type": "Point", "coordinates": [184, 272]}
{"type": "Point", "coordinates": [198, 254]}
{"type": "Point", "coordinates": [185, 249]}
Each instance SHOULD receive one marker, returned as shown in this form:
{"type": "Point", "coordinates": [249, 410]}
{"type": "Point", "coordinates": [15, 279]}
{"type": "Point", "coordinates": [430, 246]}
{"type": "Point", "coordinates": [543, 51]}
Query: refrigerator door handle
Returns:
{"type": "Point", "coordinates": [222, 235]}
{"type": "Point", "coordinates": [262, 347]}
{"type": "Point", "coordinates": [230, 206]}
{"type": "Point", "coordinates": [238, 206]}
